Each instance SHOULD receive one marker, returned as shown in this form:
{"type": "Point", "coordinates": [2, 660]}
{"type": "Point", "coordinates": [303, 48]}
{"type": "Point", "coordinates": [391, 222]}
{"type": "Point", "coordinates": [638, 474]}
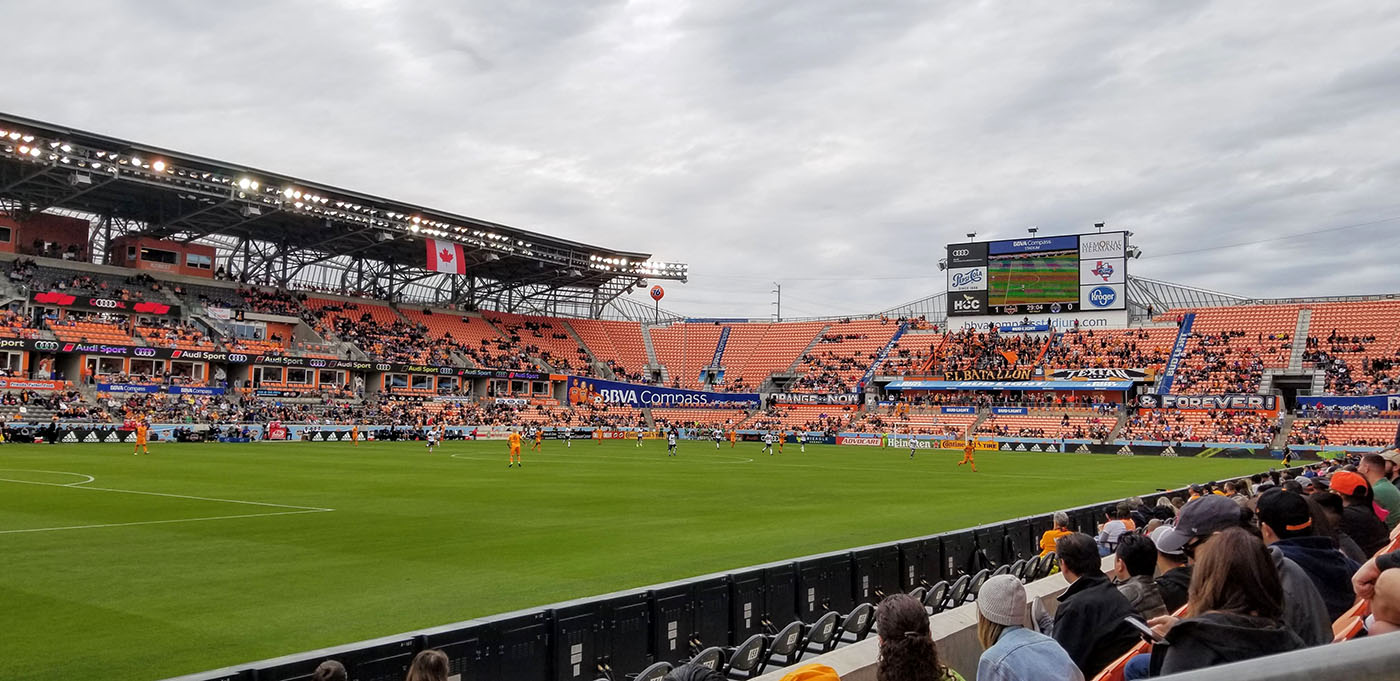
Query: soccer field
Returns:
{"type": "Point", "coordinates": [203, 555]}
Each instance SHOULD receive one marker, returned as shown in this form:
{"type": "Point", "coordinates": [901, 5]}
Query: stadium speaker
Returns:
{"type": "Point", "coordinates": [991, 545]}
{"type": "Point", "coordinates": [959, 553]}
{"type": "Point", "coordinates": [876, 572]}
{"type": "Point", "coordinates": [920, 562]}
{"type": "Point", "coordinates": [673, 611]}
{"type": "Point", "coordinates": [1020, 540]}
{"type": "Point", "coordinates": [1039, 526]}
{"type": "Point", "coordinates": [824, 583]}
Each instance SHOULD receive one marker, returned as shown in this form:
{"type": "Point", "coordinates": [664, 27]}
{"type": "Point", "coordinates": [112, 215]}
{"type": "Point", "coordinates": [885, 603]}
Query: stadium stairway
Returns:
{"type": "Point", "coordinates": [1117, 427]}
{"type": "Point", "coordinates": [1285, 428]}
{"type": "Point", "coordinates": [653, 364]}
{"type": "Point", "coordinates": [1300, 340]}
{"type": "Point", "coordinates": [1183, 334]}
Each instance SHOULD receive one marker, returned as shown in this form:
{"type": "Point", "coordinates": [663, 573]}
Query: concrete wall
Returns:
{"type": "Point", "coordinates": [954, 632]}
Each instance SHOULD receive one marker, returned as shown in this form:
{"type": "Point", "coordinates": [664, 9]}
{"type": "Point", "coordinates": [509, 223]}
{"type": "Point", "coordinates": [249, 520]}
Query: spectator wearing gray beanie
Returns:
{"type": "Point", "coordinates": [1011, 651]}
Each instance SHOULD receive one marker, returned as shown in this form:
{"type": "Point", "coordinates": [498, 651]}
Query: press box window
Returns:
{"type": "Point", "coordinates": [198, 261]}
{"type": "Point", "coordinates": [157, 255]}
{"type": "Point", "coordinates": [4, 235]}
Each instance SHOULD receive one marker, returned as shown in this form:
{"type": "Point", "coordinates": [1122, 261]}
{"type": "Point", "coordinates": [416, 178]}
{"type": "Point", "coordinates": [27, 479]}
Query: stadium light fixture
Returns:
{"type": "Point", "coordinates": [1032, 230]}
{"type": "Point", "coordinates": [158, 166]}
{"type": "Point", "coordinates": [1099, 226]}
{"type": "Point", "coordinates": [971, 236]}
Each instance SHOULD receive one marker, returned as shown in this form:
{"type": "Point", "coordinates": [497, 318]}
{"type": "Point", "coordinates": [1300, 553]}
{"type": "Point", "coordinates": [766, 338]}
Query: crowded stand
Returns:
{"type": "Point", "coordinates": [1061, 426]}
{"type": "Point", "coordinates": [1195, 426]}
{"type": "Point", "coordinates": [1143, 348]}
{"type": "Point", "coordinates": [842, 355]}
{"type": "Point", "coordinates": [167, 334]}
{"type": "Point", "coordinates": [1360, 353]}
{"type": "Point", "coordinates": [1324, 431]}
{"type": "Point", "coordinates": [545, 338]}
{"type": "Point", "coordinates": [1229, 348]}
{"type": "Point", "coordinates": [972, 349]}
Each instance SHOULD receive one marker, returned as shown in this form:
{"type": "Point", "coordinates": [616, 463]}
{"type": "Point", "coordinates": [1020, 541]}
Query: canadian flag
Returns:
{"type": "Point", "coordinates": [447, 257]}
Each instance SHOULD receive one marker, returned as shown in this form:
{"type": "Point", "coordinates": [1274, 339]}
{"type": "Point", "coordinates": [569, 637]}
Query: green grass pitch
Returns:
{"type": "Point", "coordinates": [201, 556]}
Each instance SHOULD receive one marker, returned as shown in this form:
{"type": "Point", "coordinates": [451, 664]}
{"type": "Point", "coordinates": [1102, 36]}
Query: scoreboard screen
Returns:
{"type": "Point", "coordinates": [1037, 275]}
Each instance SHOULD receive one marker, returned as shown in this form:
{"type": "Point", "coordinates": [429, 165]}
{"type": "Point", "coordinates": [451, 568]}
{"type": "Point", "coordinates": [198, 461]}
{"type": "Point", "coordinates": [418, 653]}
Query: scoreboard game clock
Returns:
{"type": "Point", "coordinates": [1037, 275]}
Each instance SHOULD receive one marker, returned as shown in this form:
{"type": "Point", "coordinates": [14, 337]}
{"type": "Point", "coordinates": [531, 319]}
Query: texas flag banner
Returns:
{"type": "Point", "coordinates": [446, 257]}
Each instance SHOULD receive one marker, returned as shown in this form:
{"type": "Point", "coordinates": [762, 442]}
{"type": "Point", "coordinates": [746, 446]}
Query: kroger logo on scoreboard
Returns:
{"type": "Point", "coordinates": [967, 279]}
{"type": "Point", "coordinates": [1105, 297]}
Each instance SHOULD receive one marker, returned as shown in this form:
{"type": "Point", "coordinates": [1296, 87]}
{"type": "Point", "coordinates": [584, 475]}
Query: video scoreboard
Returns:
{"type": "Point", "coordinates": [1038, 275]}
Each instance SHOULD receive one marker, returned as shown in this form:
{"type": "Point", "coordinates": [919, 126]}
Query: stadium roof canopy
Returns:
{"type": "Point", "coordinates": [277, 230]}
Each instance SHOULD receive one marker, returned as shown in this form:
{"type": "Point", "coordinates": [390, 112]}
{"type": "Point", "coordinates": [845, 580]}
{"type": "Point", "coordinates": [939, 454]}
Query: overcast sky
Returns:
{"type": "Point", "coordinates": [835, 146]}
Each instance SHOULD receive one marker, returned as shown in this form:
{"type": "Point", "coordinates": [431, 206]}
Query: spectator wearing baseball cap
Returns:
{"type": "Point", "coordinates": [1373, 467]}
{"type": "Point", "coordinates": [1288, 523]}
{"type": "Point", "coordinates": [1359, 518]}
{"type": "Point", "coordinates": [1011, 652]}
{"type": "Point", "coordinates": [1303, 608]}
{"type": "Point", "coordinates": [1173, 573]}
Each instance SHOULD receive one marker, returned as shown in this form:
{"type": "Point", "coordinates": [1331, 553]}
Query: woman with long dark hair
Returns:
{"type": "Point", "coordinates": [1234, 608]}
{"type": "Point", "coordinates": [907, 652]}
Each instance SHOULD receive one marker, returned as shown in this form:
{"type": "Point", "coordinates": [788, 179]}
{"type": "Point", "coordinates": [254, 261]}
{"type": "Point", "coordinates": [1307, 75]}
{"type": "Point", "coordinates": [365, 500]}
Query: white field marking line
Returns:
{"type": "Point", "coordinates": [163, 522]}
{"type": "Point", "coordinates": [70, 484]}
{"type": "Point", "coordinates": [166, 494]}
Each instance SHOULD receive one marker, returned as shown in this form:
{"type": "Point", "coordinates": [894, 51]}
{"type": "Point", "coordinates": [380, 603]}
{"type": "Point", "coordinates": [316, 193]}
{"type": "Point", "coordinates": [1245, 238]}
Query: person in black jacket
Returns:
{"type": "Point", "coordinates": [1289, 524]}
{"type": "Point", "coordinates": [1089, 623]}
{"type": "Point", "coordinates": [1174, 574]}
{"type": "Point", "coordinates": [1236, 608]}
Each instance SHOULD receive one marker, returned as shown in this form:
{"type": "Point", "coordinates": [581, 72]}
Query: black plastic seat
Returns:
{"type": "Point", "coordinates": [856, 624]}
{"type": "Point", "coordinates": [653, 673]}
{"type": "Point", "coordinates": [1047, 565]}
{"type": "Point", "coordinates": [957, 593]}
{"type": "Point", "coordinates": [937, 593]}
{"type": "Point", "coordinates": [822, 636]}
{"type": "Point", "coordinates": [710, 658]}
{"type": "Point", "coordinates": [785, 647]}
{"type": "Point", "coordinates": [1018, 569]}
{"type": "Point", "coordinates": [976, 584]}
{"type": "Point", "coordinates": [746, 659]}
{"type": "Point", "coordinates": [1031, 569]}
{"type": "Point", "coordinates": [918, 593]}
{"type": "Point", "coordinates": [1001, 570]}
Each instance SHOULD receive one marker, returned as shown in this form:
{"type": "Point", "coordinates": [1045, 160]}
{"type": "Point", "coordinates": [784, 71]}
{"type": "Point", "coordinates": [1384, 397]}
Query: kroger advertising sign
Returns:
{"type": "Point", "coordinates": [583, 389]}
{"type": "Point", "coordinates": [1105, 297]}
{"type": "Point", "coordinates": [967, 279]}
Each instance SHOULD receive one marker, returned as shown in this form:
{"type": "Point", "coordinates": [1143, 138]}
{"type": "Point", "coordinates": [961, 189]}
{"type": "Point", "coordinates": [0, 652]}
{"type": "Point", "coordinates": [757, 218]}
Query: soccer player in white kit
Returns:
{"type": "Point", "coordinates": [718, 435]}
{"type": "Point", "coordinates": [671, 444]}
{"type": "Point", "coordinates": [432, 438]}
{"type": "Point", "coordinates": [768, 442]}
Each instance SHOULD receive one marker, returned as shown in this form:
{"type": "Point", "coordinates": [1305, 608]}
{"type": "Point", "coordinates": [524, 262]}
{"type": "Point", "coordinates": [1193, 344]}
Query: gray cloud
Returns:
{"type": "Point", "coordinates": [797, 142]}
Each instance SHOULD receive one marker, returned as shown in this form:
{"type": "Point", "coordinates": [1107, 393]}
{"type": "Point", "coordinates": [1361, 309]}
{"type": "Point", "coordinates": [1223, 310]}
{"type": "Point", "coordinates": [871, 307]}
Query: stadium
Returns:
{"type": "Point", "coordinates": [320, 385]}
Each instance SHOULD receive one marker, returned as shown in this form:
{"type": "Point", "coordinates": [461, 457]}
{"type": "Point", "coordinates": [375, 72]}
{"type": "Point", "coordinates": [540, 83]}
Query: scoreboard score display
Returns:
{"type": "Point", "coordinates": [1038, 275]}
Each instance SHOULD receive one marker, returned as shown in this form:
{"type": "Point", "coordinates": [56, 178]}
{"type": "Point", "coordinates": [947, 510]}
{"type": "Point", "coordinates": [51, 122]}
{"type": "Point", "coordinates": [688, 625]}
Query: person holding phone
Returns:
{"type": "Point", "coordinates": [1235, 610]}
